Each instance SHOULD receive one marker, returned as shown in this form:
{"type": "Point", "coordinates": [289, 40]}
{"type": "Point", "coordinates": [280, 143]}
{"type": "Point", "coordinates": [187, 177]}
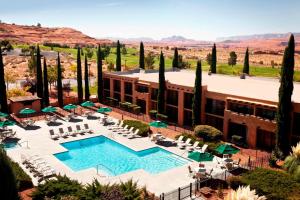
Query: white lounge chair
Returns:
{"type": "Point", "coordinates": [125, 128]}
{"type": "Point", "coordinates": [87, 128]}
{"type": "Point", "coordinates": [125, 133]}
{"type": "Point", "coordinates": [79, 130]}
{"type": "Point", "coordinates": [203, 148]}
{"type": "Point", "coordinates": [53, 135]}
{"type": "Point", "coordinates": [116, 126]}
{"type": "Point", "coordinates": [133, 135]}
{"type": "Point", "coordinates": [62, 133]}
{"type": "Point", "coordinates": [195, 146]}
{"type": "Point", "coordinates": [71, 131]}
{"type": "Point", "coordinates": [179, 140]}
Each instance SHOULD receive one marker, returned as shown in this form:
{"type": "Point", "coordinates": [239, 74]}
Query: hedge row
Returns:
{"type": "Point", "coordinates": [144, 128]}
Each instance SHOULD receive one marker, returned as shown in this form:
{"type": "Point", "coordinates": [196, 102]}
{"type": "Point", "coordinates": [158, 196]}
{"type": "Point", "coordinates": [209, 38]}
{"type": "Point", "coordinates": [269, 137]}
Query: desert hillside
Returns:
{"type": "Point", "coordinates": [36, 34]}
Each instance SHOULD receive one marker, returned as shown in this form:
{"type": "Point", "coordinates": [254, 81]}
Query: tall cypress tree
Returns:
{"type": "Point", "coordinates": [285, 95]}
{"type": "Point", "coordinates": [39, 75]}
{"type": "Point", "coordinates": [161, 86]}
{"type": "Point", "coordinates": [79, 77]}
{"type": "Point", "coordinates": [196, 106]}
{"type": "Point", "coordinates": [59, 84]}
{"type": "Point", "coordinates": [213, 66]}
{"type": "Point", "coordinates": [8, 183]}
{"type": "Point", "coordinates": [175, 62]}
{"type": "Point", "coordinates": [142, 56]}
{"type": "Point", "coordinates": [118, 59]}
{"type": "Point", "coordinates": [3, 97]}
{"type": "Point", "coordinates": [86, 80]}
{"type": "Point", "coordinates": [100, 77]}
{"type": "Point", "coordinates": [246, 62]}
{"type": "Point", "coordinates": [46, 84]}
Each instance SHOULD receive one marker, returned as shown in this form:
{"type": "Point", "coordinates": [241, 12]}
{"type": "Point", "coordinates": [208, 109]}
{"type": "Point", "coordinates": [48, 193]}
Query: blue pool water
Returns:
{"type": "Point", "coordinates": [115, 158]}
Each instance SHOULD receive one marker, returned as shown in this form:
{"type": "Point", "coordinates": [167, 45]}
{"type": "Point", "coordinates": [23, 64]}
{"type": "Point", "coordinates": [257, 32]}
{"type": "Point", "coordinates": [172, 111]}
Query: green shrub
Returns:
{"type": "Point", "coordinates": [137, 110]}
{"type": "Point", "coordinates": [55, 189]}
{"type": "Point", "coordinates": [234, 182]}
{"type": "Point", "coordinates": [23, 180]}
{"type": "Point", "coordinates": [162, 117]}
{"type": "Point", "coordinates": [238, 140]}
{"type": "Point", "coordinates": [130, 190]}
{"type": "Point", "coordinates": [276, 185]}
{"type": "Point", "coordinates": [144, 128]}
{"type": "Point", "coordinates": [153, 113]}
{"type": "Point", "coordinates": [208, 133]}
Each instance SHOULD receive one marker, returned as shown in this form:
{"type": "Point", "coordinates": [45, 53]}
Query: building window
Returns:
{"type": "Point", "coordinates": [142, 88]}
{"type": "Point", "coordinates": [117, 96]}
{"type": "Point", "coordinates": [265, 139]}
{"type": "Point", "coordinates": [265, 113]}
{"type": "Point", "coordinates": [128, 98]}
{"type": "Point", "coordinates": [172, 97]}
{"type": "Point", "coordinates": [106, 93]}
{"type": "Point", "coordinates": [215, 122]}
{"type": "Point", "coordinates": [215, 107]}
{"type": "Point", "coordinates": [117, 86]}
{"type": "Point", "coordinates": [241, 108]}
{"type": "Point", "coordinates": [187, 121]}
{"type": "Point", "coordinates": [154, 93]}
{"type": "Point", "coordinates": [188, 100]}
{"type": "Point", "coordinates": [106, 83]}
{"type": "Point", "coordinates": [153, 105]}
{"type": "Point", "coordinates": [296, 124]}
{"type": "Point", "coordinates": [128, 88]}
{"type": "Point", "coordinates": [172, 114]}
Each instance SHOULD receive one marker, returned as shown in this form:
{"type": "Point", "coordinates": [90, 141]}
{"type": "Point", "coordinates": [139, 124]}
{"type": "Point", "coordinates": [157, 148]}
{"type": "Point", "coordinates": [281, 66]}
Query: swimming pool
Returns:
{"type": "Point", "coordinates": [114, 158]}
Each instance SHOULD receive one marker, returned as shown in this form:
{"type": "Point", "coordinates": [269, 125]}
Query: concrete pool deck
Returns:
{"type": "Point", "coordinates": [40, 143]}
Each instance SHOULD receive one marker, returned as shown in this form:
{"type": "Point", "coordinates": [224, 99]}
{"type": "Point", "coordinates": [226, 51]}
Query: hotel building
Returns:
{"type": "Point", "coordinates": [243, 107]}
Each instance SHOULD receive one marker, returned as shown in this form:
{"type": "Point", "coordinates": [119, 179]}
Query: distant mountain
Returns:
{"type": "Point", "coordinates": [132, 40]}
{"type": "Point", "coordinates": [256, 37]}
{"type": "Point", "coordinates": [36, 34]}
{"type": "Point", "coordinates": [176, 38]}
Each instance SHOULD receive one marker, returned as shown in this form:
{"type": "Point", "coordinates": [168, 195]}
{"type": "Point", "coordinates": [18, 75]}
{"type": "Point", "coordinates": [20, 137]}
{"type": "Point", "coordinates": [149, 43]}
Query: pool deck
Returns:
{"type": "Point", "coordinates": [40, 143]}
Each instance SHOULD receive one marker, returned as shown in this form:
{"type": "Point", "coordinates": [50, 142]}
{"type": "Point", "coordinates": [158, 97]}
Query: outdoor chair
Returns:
{"type": "Point", "coordinates": [179, 140]}
{"type": "Point", "coordinates": [87, 128]}
{"type": "Point", "coordinates": [236, 164]}
{"type": "Point", "coordinates": [134, 135]}
{"type": "Point", "coordinates": [203, 148]}
{"type": "Point", "coordinates": [195, 146]}
{"type": "Point", "coordinates": [79, 130]}
{"type": "Point", "coordinates": [53, 136]}
{"type": "Point", "coordinates": [125, 133]}
{"type": "Point", "coordinates": [71, 132]}
{"type": "Point", "coordinates": [62, 133]}
{"type": "Point", "coordinates": [125, 128]}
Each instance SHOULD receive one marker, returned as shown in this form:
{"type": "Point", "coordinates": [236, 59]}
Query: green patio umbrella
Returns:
{"type": "Point", "coordinates": [226, 149]}
{"type": "Point", "coordinates": [49, 109]}
{"type": "Point", "coordinates": [70, 107]}
{"type": "Point", "coordinates": [200, 157]}
{"type": "Point", "coordinates": [87, 104]}
{"type": "Point", "coordinates": [3, 114]}
{"type": "Point", "coordinates": [7, 123]}
{"type": "Point", "coordinates": [104, 110]}
{"type": "Point", "coordinates": [158, 124]}
{"type": "Point", "coordinates": [27, 111]}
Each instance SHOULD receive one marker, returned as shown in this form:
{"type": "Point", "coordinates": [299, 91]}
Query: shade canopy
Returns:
{"type": "Point", "coordinates": [49, 109]}
{"type": "Point", "coordinates": [226, 149]}
{"type": "Point", "coordinates": [200, 157]}
{"type": "Point", "coordinates": [87, 104]}
{"type": "Point", "coordinates": [27, 111]}
{"type": "Point", "coordinates": [7, 123]}
{"type": "Point", "coordinates": [158, 124]}
{"type": "Point", "coordinates": [3, 114]}
{"type": "Point", "coordinates": [70, 107]}
{"type": "Point", "coordinates": [104, 110]}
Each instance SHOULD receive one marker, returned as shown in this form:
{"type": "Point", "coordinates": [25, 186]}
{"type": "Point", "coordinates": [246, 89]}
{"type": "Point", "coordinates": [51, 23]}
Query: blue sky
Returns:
{"type": "Point", "coordinates": [198, 19]}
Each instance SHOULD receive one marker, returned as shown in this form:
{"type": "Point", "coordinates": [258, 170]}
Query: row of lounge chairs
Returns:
{"type": "Point", "coordinates": [38, 167]}
{"type": "Point", "coordinates": [70, 132]}
{"type": "Point", "coordinates": [7, 133]}
{"type": "Point", "coordinates": [190, 147]}
{"type": "Point", "coordinates": [124, 130]}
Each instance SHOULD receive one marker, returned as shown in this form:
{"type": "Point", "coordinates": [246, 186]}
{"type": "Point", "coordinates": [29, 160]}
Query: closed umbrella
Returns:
{"type": "Point", "coordinates": [158, 124]}
{"type": "Point", "coordinates": [104, 110]}
{"type": "Point", "coordinates": [87, 104]}
{"type": "Point", "coordinates": [226, 149]}
{"type": "Point", "coordinates": [200, 157]}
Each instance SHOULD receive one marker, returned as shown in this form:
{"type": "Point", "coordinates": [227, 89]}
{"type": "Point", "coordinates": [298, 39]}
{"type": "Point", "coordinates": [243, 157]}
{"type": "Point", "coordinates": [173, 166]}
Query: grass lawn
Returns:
{"type": "Point", "coordinates": [132, 60]}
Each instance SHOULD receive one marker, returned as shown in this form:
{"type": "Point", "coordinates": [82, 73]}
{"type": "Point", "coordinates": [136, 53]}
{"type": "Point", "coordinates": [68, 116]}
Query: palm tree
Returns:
{"type": "Point", "coordinates": [292, 162]}
{"type": "Point", "coordinates": [130, 190]}
{"type": "Point", "coordinates": [244, 193]}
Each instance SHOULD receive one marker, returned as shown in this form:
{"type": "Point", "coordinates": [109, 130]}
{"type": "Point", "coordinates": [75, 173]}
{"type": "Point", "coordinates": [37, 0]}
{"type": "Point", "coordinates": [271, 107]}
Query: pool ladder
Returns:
{"type": "Point", "coordinates": [97, 167]}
